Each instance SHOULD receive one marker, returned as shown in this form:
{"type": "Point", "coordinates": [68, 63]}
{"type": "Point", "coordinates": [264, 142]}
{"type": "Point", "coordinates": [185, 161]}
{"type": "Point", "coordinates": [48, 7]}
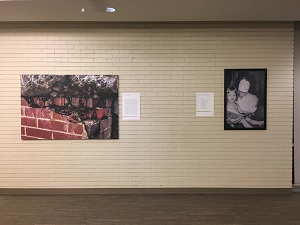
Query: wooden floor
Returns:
{"type": "Point", "coordinates": [174, 209]}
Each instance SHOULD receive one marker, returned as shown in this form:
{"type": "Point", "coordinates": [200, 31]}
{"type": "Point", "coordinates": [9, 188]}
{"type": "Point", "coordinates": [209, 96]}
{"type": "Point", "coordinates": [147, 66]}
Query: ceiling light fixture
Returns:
{"type": "Point", "coordinates": [110, 10]}
{"type": "Point", "coordinates": [82, 8]}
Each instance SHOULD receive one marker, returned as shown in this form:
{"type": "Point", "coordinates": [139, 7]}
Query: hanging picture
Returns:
{"type": "Point", "coordinates": [245, 99]}
{"type": "Point", "coordinates": [69, 107]}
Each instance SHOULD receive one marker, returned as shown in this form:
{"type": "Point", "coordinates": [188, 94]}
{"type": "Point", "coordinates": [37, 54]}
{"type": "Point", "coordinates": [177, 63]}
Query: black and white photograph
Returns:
{"type": "Point", "coordinates": [245, 98]}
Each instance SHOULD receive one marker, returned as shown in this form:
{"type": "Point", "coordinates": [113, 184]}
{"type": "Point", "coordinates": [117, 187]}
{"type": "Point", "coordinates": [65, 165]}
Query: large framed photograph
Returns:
{"type": "Point", "coordinates": [69, 107]}
{"type": "Point", "coordinates": [245, 98]}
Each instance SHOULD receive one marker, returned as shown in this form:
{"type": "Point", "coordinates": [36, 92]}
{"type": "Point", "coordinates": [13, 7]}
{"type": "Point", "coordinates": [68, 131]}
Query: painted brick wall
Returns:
{"type": "Point", "coordinates": [167, 64]}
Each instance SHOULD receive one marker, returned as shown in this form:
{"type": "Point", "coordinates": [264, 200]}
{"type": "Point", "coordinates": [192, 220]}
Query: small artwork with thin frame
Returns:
{"type": "Point", "coordinates": [245, 99]}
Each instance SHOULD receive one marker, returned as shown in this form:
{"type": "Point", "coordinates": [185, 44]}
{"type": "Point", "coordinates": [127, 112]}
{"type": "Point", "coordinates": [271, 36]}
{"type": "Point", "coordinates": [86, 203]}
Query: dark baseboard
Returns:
{"type": "Point", "coordinates": [118, 191]}
{"type": "Point", "coordinates": [296, 188]}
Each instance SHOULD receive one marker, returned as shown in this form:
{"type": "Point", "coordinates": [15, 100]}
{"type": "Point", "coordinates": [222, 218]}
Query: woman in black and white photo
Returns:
{"type": "Point", "coordinates": [245, 99]}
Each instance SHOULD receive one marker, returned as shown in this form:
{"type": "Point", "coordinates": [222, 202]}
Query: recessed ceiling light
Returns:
{"type": "Point", "coordinates": [110, 10]}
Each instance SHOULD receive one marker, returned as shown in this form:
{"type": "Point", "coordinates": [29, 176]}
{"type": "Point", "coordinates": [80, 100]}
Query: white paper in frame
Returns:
{"type": "Point", "coordinates": [131, 106]}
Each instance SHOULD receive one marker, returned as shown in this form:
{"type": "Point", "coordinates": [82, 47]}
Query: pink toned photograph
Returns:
{"type": "Point", "coordinates": [69, 107]}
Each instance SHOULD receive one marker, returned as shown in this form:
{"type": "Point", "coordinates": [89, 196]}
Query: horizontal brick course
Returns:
{"type": "Point", "coordinates": [28, 138]}
{"type": "Point", "coordinates": [56, 116]}
{"type": "Point", "coordinates": [38, 112]}
{"type": "Point", "coordinates": [65, 136]}
{"type": "Point", "coordinates": [31, 122]}
{"type": "Point", "coordinates": [53, 125]}
{"type": "Point", "coordinates": [38, 133]}
{"type": "Point", "coordinates": [43, 113]}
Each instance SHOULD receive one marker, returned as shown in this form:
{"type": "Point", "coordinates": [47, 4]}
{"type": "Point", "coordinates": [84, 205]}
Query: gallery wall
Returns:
{"type": "Point", "coordinates": [297, 106]}
{"type": "Point", "coordinates": [167, 64]}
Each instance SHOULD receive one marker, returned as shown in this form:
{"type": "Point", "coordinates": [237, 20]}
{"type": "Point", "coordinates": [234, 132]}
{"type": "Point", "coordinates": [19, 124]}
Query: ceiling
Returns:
{"type": "Point", "coordinates": [150, 10]}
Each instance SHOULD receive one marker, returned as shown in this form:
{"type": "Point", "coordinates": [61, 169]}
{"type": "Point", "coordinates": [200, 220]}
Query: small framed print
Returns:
{"type": "Point", "coordinates": [245, 99]}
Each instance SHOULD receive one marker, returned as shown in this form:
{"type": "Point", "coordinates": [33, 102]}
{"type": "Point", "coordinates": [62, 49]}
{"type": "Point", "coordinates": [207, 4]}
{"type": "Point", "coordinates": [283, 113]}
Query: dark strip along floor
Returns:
{"type": "Point", "coordinates": [205, 209]}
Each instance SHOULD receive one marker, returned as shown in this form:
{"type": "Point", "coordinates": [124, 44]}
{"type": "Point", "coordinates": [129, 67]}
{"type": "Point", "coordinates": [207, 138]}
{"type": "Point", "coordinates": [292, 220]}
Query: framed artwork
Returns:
{"type": "Point", "coordinates": [245, 99]}
{"type": "Point", "coordinates": [69, 107]}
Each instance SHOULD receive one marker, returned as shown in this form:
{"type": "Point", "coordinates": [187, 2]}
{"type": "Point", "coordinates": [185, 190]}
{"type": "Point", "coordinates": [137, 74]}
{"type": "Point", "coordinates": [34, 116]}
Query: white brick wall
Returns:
{"type": "Point", "coordinates": [167, 64]}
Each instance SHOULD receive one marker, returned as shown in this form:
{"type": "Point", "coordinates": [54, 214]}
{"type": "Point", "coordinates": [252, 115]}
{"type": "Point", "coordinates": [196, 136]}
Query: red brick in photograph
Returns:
{"type": "Point", "coordinates": [69, 107]}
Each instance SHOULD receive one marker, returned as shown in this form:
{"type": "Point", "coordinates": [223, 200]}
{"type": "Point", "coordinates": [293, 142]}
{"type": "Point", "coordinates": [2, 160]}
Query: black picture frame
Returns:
{"type": "Point", "coordinates": [245, 99]}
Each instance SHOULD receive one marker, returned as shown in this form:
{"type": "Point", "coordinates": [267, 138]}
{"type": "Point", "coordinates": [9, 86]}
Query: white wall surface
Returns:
{"type": "Point", "coordinates": [167, 64]}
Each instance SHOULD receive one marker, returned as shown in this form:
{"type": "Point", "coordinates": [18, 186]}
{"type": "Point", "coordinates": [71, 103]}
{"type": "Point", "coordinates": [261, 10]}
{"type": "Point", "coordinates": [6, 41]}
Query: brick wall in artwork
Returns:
{"type": "Point", "coordinates": [42, 123]}
{"type": "Point", "coordinates": [69, 107]}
